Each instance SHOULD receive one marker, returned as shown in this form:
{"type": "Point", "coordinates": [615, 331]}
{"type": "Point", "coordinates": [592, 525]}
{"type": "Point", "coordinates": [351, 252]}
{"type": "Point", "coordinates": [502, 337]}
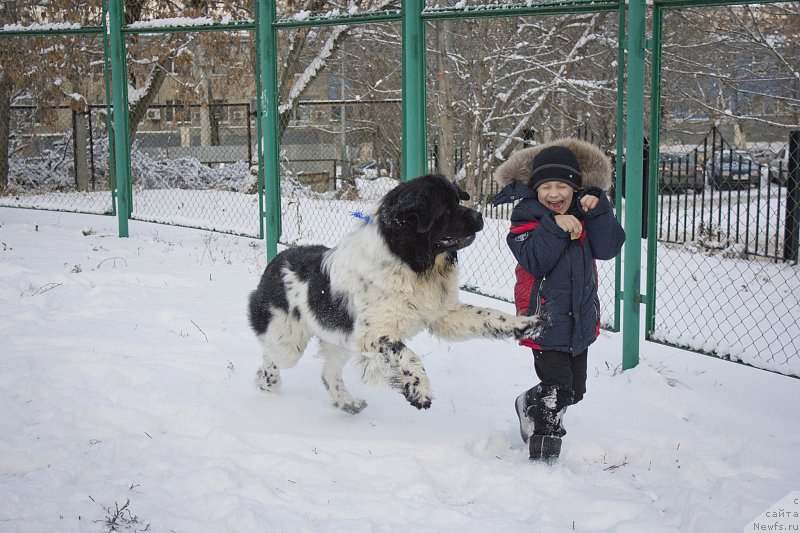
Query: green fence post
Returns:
{"type": "Point", "coordinates": [414, 144]}
{"type": "Point", "coordinates": [268, 57]}
{"type": "Point", "coordinates": [634, 142]}
{"type": "Point", "coordinates": [652, 186]}
{"type": "Point", "coordinates": [112, 182]}
{"type": "Point", "coordinates": [259, 135]}
{"type": "Point", "coordinates": [620, 155]}
{"type": "Point", "coordinates": [119, 76]}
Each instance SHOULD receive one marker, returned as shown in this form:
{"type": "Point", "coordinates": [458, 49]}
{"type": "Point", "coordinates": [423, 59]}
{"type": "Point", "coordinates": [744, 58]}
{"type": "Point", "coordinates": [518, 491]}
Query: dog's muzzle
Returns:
{"type": "Point", "coordinates": [472, 223]}
{"type": "Point", "coordinates": [477, 219]}
{"type": "Point", "coordinates": [449, 244]}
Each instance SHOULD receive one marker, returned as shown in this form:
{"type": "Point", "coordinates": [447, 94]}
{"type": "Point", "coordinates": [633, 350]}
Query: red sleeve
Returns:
{"type": "Point", "coordinates": [522, 228]}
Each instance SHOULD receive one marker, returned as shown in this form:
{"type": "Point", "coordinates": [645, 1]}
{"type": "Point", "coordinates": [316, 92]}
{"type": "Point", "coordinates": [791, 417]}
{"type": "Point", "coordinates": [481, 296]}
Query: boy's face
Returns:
{"type": "Point", "coordinates": [556, 195]}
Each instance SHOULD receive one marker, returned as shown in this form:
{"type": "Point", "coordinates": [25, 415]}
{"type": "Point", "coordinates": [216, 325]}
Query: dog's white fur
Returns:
{"type": "Point", "coordinates": [389, 302]}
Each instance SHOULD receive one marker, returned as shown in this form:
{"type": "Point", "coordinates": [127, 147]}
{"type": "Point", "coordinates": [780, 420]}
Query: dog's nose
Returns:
{"type": "Point", "coordinates": [477, 219]}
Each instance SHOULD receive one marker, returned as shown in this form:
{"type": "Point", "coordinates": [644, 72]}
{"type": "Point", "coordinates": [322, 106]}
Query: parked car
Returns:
{"type": "Point", "coordinates": [778, 171]}
{"type": "Point", "coordinates": [679, 173]}
{"type": "Point", "coordinates": [375, 169]}
{"type": "Point", "coordinates": [734, 169]}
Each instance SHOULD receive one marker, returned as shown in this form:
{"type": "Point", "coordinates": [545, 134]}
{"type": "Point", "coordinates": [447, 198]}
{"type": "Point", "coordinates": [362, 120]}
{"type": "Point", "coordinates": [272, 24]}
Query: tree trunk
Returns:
{"type": "Point", "coordinates": [214, 111]}
{"type": "Point", "coordinates": [139, 109]}
{"type": "Point", "coordinates": [80, 136]}
{"type": "Point", "coordinates": [739, 133]}
{"type": "Point", "coordinates": [446, 142]}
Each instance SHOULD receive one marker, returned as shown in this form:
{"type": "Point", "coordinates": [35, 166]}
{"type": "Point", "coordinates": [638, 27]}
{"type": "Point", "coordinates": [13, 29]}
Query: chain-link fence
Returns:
{"type": "Point", "coordinates": [494, 97]}
{"type": "Point", "coordinates": [728, 281]}
{"type": "Point", "coordinates": [193, 145]}
{"type": "Point", "coordinates": [332, 166]}
{"type": "Point", "coordinates": [58, 159]}
{"type": "Point", "coordinates": [194, 165]}
{"type": "Point", "coordinates": [725, 208]}
{"type": "Point", "coordinates": [340, 143]}
{"type": "Point", "coordinates": [53, 124]}
{"type": "Point", "coordinates": [191, 111]}
{"type": "Point", "coordinates": [739, 197]}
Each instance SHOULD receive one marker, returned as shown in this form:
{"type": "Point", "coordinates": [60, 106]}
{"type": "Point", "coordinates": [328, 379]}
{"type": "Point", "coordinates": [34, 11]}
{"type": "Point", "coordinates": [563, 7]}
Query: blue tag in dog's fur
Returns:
{"type": "Point", "coordinates": [363, 216]}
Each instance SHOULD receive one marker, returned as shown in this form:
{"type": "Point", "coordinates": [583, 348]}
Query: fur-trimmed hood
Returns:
{"type": "Point", "coordinates": [595, 166]}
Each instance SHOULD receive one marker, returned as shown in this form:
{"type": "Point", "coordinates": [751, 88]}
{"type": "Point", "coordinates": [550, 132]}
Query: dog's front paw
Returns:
{"type": "Point", "coordinates": [530, 327]}
{"type": "Point", "coordinates": [268, 378]}
{"type": "Point", "coordinates": [418, 394]}
{"type": "Point", "coordinates": [404, 372]}
{"type": "Point", "coordinates": [352, 407]}
{"type": "Point", "coordinates": [417, 400]}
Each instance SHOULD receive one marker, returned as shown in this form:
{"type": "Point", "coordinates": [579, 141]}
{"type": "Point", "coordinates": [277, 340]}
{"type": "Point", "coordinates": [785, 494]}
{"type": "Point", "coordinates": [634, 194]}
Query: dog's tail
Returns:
{"type": "Point", "coordinates": [259, 313]}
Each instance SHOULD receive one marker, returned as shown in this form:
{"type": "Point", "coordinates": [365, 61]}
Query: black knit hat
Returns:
{"type": "Point", "coordinates": [556, 163]}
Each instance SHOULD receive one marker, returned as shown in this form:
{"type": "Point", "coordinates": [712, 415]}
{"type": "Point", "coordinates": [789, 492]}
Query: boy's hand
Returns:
{"type": "Point", "coordinates": [589, 202]}
{"type": "Point", "coordinates": [569, 223]}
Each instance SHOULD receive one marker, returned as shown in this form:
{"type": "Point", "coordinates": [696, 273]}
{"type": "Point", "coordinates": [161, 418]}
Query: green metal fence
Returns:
{"type": "Point", "coordinates": [739, 196]}
{"type": "Point", "coordinates": [724, 277]}
{"type": "Point", "coordinates": [55, 154]}
{"type": "Point", "coordinates": [359, 146]}
{"type": "Point", "coordinates": [59, 159]}
{"type": "Point", "coordinates": [186, 145]}
{"type": "Point", "coordinates": [237, 141]}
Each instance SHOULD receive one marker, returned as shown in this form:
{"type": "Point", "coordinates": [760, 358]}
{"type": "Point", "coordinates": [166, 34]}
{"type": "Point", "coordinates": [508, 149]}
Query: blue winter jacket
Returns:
{"type": "Point", "coordinates": [557, 276]}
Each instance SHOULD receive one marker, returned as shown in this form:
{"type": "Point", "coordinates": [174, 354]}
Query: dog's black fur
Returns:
{"type": "Point", "coordinates": [422, 218]}
{"type": "Point", "coordinates": [391, 278]}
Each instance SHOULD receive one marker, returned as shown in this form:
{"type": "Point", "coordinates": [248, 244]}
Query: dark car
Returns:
{"type": "Point", "coordinates": [680, 173]}
{"type": "Point", "coordinates": [734, 169]}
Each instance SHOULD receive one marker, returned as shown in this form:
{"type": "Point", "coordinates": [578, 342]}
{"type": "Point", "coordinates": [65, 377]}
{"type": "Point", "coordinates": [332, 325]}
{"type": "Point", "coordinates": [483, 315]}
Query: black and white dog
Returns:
{"type": "Point", "coordinates": [386, 281]}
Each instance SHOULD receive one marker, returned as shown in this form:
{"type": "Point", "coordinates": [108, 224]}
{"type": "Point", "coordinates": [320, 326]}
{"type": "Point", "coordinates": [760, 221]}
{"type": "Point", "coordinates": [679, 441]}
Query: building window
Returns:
{"type": "Point", "coordinates": [176, 111]}
{"type": "Point", "coordinates": [302, 113]}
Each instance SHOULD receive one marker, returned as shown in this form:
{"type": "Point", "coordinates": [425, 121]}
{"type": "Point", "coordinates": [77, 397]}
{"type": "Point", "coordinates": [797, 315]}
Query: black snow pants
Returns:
{"type": "Point", "coordinates": [563, 383]}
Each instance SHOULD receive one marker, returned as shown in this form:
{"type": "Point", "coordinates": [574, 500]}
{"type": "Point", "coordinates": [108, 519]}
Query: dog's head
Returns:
{"type": "Point", "coordinates": [422, 218]}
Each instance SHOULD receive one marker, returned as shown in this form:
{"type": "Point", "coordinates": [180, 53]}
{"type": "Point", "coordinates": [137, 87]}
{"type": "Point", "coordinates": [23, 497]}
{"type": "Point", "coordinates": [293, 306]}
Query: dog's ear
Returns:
{"type": "Point", "coordinates": [462, 195]}
{"type": "Point", "coordinates": [423, 215]}
{"type": "Point", "coordinates": [414, 208]}
{"type": "Point", "coordinates": [418, 210]}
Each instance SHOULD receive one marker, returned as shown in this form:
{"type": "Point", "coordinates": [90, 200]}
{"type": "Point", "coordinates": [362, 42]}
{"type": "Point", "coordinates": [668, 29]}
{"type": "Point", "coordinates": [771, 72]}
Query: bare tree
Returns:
{"type": "Point", "coordinates": [492, 81]}
{"type": "Point", "coordinates": [500, 78]}
{"type": "Point", "coordinates": [737, 66]}
{"type": "Point", "coordinates": [379, 123]}
{"type": "Point", "coordinates": [187, 60]}
{"type": "Point", "coordinates": [308, 52]}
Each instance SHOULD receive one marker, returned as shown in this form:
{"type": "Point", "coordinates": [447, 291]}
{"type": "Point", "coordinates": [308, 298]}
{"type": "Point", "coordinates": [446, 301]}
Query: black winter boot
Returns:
{"type": "Point", "coordinates": [547, 404]}
{"type": "Point", "coordinates": [545, 448]}
{"type": "Point", "coordinates": [546, 407]}
{"type": "Point", "coordinates": [522, 405]}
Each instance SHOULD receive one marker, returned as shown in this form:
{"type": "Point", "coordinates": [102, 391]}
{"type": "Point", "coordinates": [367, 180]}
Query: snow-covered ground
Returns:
{"type": "Point", "coordinates": [127, 396]}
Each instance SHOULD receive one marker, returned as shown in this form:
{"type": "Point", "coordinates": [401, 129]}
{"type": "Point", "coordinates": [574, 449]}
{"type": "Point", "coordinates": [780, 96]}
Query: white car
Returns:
{"type": "Point", "coordinates": [374, 170]}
